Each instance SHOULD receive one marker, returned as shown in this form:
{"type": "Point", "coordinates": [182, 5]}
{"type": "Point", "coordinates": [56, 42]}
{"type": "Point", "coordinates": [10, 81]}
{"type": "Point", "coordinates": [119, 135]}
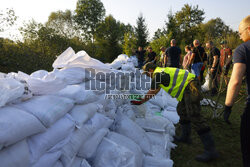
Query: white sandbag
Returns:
{"type": "Point", "coordinates": [82, 113]}
{"type": "Point", "coordinates": [153, 124]}
{"type": "Point", "coordinates": [48, 109]}
{"type": "Point", "coordinates": [41, 82]}
{"type": "Point", "coordinates": [16, 155]}
{"type": "Point", "coordinates": [16, 125]}
{"type": "Point", "coordinates": [127, 127]}
{"type": "Point", "coordinates": [73, 75]}
{"type": "Point", "coordinates": [121, 59]}
{"type": "Point", "coordinates": [42, 142]}
{"type": "Point", "coordinates": [80, 162]}
{"type": "Point", "coordinates": [69, 59]}
{"type": "Point", "coordinates": [10, 89]}
{"type": "Point", "coordinates": [100, 121]}
{"type": "Point", "coordinates": [161, 144]}
{"type": "Point", "coordinates": [129, 144]}
{"type": "Point", "coordinates": [78, 137]}
{"type": "Point", "coordinates": [207, 85]}
{"type": "Point", "coordinates": [89, 147]}
{"type": "Point", "coordinates": [171, 115]}
{"type": "Point", "coordinates": [58, 164]}
{"type": "Point", "coordinates": [48, 160]}
{"type": "Point", "coordinates": [149, 161]}
{"type": "Point", "coordinates": [110, 154]}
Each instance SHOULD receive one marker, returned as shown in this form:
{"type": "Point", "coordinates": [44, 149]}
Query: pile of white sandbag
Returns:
{"type": "Point", "coordinates": [51, 119]}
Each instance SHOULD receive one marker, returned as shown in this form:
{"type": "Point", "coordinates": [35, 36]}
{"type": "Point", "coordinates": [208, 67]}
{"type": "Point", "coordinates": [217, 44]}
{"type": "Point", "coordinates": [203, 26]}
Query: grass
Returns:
{"type": "Point", "coordinates": [227, 139]}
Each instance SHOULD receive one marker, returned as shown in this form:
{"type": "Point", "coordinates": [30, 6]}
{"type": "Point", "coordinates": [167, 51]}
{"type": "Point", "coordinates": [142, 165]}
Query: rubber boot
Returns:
{"type": "Point", "coordinates": [185, 134]}
{"type": "Point", "coordinates": [210, 153]}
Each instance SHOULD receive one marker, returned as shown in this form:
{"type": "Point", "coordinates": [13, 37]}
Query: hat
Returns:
{"type": "Point", "coordinates": [223, 42]}
{"type": "Point", "coordinates": [148, 66]}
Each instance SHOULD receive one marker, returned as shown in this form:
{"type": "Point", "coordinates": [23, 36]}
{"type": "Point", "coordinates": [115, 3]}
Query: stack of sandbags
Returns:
{"type": "Point", "coordinates": [71, 124]}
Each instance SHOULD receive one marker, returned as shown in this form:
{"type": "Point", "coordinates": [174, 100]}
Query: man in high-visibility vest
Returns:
{"type": "Point", "coordinates": [185, 88]}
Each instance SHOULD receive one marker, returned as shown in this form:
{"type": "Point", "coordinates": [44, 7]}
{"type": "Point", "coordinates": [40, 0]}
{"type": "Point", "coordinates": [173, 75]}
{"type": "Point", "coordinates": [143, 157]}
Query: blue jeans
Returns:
{"type": "Point", "coordinates": [196, 68]}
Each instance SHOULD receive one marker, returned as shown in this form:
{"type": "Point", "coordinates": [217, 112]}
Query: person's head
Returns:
{"type": "Point", "coordinates": [223, 44]}
{"type": "Point", "coordinates": [209, 44]}
{"type": "Point", "coordinates": [196, 43]}
{"type": "Point", "coordinates": [162, 48]}
{"type": "Point", "coordinates": [149, 68]}
{"type": "Point", "coordinates": [244, 29]}
{"type": "Point", "coordinates": [173, 42]}
{"type": "Point", "coordinates": [187, 48]}
{"type": "Point", "coordinates": [139, 48]}
{"type": "Point", "coordinates": [149, 49]}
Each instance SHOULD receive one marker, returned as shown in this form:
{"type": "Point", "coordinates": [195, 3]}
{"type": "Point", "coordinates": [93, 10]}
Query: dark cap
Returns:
{"type": "Point", "coordinates": [148, 66]}
{"type": "Point", "coordinates": [223, 42]}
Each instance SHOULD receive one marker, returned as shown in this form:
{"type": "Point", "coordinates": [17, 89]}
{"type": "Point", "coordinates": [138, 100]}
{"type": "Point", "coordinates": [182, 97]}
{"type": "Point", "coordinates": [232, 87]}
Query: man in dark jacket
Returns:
{"type": "Point", "coordinates": [173, 55]}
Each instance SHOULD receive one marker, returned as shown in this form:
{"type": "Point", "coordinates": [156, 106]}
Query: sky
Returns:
{"type": "Point", "coordinates": [127, 11]}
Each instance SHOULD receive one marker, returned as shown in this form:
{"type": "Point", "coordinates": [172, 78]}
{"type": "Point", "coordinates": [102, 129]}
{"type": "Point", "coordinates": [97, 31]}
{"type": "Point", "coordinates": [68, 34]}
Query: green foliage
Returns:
{"type": "Point", "coordinates": [7, 19]}
{"type": "Point", "coordinates": [108, 39]}
{"type": "Point", "coordinates": [89, 13]}
{"type": "Point", "coordinates": [141, 31]}
{"type": "Point", "coordinates": [129, 45]}
{"type": "Point", "coordinates": [156, 44]}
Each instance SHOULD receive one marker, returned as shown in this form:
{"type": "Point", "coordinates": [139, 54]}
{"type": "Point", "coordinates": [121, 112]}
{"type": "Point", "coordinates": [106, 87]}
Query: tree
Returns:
{"type": "Point", "coordinates": [108, 36]}
{"type": "Point", "coordinates": [188, 20]}
{"type": "Point", "coordinates": [172, 30]}
{"type": "Point", "coordinates": [7, 19]}
{"type": "Point", "coordinates": [129, 43]}
{"type": "Point", "coordinates": [214, 28]}
{"type": "Point", "coordinates": [141, 32]}
{"type": "Point", "coordinates": [63, 24]}
{"type": "Point", "coordinates": [89, 13]}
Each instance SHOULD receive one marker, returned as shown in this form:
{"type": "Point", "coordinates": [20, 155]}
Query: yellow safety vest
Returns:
{"type": "Point", "coordinates": [179, 79]}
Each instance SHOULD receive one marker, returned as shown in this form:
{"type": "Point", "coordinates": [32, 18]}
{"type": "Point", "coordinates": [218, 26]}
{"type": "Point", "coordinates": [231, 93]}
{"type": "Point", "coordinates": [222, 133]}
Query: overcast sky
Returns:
{"type": "Point", "coordinates": [127, 11]}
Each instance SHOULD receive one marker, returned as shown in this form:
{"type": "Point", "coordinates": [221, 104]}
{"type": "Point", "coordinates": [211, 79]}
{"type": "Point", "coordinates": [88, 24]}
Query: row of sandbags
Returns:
{"type": "Point", "coordinates": [60, 122]}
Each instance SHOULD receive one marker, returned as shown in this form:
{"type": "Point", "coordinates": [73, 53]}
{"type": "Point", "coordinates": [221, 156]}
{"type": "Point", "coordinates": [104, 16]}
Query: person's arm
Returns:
{"type": "Point", "coordinates": [229, 58]}
{"type": "Point", "coordinates": [151, 93]}
{"type": "Point", "coordinates": [216, 59]}
{"type": "Point", "coordinates": [192, 58]}
{"type": "Point", "coordinates": [234, 85]}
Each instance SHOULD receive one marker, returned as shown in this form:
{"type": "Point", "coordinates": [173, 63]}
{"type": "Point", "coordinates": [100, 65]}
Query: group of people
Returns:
{"type": "Point", "coordinates": [218, 62]}
{"type": "Point", "coordinates": [184, 85]}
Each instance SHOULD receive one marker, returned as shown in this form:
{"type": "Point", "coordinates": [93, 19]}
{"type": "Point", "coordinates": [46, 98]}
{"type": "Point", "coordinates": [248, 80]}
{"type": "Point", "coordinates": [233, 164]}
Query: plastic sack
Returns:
{"type": "Point", "coordinates": [129, 144]}
{"type": "Point", "coordinates": [73, 75]}
{"type": "Point", "coordinates": [153, 124]}
{"type": "Point", "coordinates": [10, 89]}
{"type": "Point", "coordinates": [48, 109]}
{"type": "Point", "coordinates": [69, 59]}
{"type": "Point", "coordinates": [82, 113]}
{"type": "Point", "coordinates": [127, 127]}
{"type": "Point", "coordinates": [16, 155]}
{"type": "Point", "coordinates": [41, 82]}
{"type": "Point", "coordinates": [89, 147]}
{"type": "Point", "coordinates": [80, 162]}
{"type": "Point", "coordinates": [15, 125]}
{"type": "Point", "coordinates": [171, 115]}
{"type": "Point", "coordinates": [48, 160]}
{"type": "Point", "coordinates": [42, 142]}
{"type": "Point", "coordinates": [100, 121]}
{"type": "Point", "coordinates": [156, 162]}
{"type": "Point", "coordinates": [78, 137]}
{"type": "Point", "coordinates": [111, 154]}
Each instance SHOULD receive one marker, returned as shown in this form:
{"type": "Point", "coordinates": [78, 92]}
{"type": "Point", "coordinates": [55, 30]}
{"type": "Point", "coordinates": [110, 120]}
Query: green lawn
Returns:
{"type": "Point", "coordinates": [227, 139]}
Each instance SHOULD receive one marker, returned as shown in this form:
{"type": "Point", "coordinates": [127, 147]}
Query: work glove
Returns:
{"type": "Point", "coordinates": [133, 102]}
{"type": "Point", "coordinates": [227, 112]}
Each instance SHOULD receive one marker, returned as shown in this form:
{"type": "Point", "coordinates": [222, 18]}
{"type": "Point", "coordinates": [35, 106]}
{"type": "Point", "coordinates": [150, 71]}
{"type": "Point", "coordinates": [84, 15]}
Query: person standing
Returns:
{"type": "Point", "coordinates": [187, 57]}
{"type": "Point", "coordinates": [213, 65]}
{"type": "Point", "coordinates": [197, 57]}
{"type": "Point", "coordinates": [151, 55]}
{"type": "Point", "coordinates": [162, 62]}
{"type": "Point", "coordinates": [241, 68]}
{"type": "Point", "coordinates": [225, 60]}
{"type": "Point", "coordinates": [173, 54]}
{"type": "Point", "coordinates": [183, 86]}
{"type": "Point", "coordinates": [140, 54]}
